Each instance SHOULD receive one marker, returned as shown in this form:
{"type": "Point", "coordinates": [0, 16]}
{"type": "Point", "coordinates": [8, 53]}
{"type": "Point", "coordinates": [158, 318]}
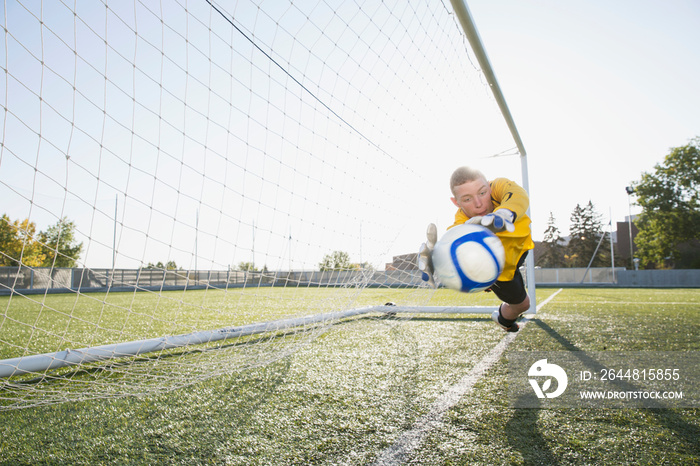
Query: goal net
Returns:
{"type": "Point", "coordinates": [191, 188]}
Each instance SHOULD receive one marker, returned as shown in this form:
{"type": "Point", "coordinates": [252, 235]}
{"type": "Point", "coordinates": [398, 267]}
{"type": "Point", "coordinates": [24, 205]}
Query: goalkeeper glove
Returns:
{"type": "Point", "coordinates": [425, 255]}
{"type": "Point", "coordinates": [499, 220]}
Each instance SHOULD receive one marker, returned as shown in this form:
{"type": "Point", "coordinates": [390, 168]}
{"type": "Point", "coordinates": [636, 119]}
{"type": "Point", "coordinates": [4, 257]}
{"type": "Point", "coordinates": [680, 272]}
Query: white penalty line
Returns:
{"type": "Point", "coordinates": [409, 440]}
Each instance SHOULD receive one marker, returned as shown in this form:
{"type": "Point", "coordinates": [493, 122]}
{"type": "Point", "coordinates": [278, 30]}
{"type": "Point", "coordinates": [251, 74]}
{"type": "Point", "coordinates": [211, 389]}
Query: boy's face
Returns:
{"type": "Point", "coordinates": [474, 198]}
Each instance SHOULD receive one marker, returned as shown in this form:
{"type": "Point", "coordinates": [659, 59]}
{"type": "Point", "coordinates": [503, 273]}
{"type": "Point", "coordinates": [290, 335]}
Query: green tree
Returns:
{"type": "Point", "coordinates": [670, 219]}
{"type": "Point", "coordinates": [248, 267]}
{"type": "Point", "coordinates": [552, 246]}
{"type": "Point", "coordinates": [586, 230]}
{"type": "Point", "coordinates": [366, 266]}
{"type": "Point", "coordinates": [337, 260]}
{"type": "Point", "coordinates": [58, 245]}
{"type": "Point", "coordinates": [18, 244]}
{"type": "Point", "coordinates": [8, 246]}
{"type": "Point", "coordinates": [170, 265]}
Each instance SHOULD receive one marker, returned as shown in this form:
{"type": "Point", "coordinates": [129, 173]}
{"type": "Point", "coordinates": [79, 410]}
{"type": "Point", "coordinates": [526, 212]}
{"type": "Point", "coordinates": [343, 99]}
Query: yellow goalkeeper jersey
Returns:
{"type": "Point", "coordinates": [506, 194]}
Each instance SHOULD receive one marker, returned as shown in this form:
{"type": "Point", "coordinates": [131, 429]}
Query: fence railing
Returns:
{"type": "Point", "coordinates": [620, 277]}
{"type": "Point", "coordinates": [34, 280]}
{"type": "Point", "coordinates": [593, 275]}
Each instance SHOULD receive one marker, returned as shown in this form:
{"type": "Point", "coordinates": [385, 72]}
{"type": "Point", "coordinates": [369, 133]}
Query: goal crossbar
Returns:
{"type": "Point", "coordinates": [73, 357]}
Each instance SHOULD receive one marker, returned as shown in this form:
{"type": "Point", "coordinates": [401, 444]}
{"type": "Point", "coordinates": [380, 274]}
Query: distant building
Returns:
{"type": "Point", "coordinates": [403, 262]}
{"type": "Point", "coordinates": [623, 238]}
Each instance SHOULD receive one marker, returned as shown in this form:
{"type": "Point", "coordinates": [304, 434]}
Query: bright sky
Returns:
{"type": "Point", "coordinates": [599, 89]}
{"type": "Point", "coordinates": [210, 153]}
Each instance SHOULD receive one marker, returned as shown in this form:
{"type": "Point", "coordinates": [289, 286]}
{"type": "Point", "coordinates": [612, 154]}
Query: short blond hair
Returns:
{"type": "Point", "coordinates": [464, 175]}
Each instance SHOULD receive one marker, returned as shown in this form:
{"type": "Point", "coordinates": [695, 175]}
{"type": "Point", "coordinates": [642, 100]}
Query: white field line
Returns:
{"type": "Point", "coordinates": [625, 303]}
{"type": "Point", "coordinates": [409, 440]}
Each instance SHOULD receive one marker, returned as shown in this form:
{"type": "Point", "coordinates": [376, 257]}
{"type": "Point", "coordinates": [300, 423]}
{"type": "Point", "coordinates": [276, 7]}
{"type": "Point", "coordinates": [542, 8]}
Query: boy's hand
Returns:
{"type": "Point", "coordinates": [425, 255]}
{"type": "Point", "coordinates": [499, 220]}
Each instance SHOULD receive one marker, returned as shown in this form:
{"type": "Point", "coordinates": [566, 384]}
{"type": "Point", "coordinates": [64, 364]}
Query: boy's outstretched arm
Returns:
{"type": "Point", "coordinates": [425, 255]}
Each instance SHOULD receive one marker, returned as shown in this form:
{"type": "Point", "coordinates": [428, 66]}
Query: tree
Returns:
{"type": "Point", "coordinates": [337, 260]}
{"type": "Point", "coordinates": [9, 246]}
{"type": "Point", "coordinates": [670, 219]}
{"type": "Point", "coordinates": [21, 244]}
{"type": "Point", "coordinates": [247, 267]}
{"type": "Point", "coordinates": [171, 265]}
{"type": "Point", "coordinates": [586, 230]}
{"type": "Point", "coordinates": [366, 266]}
{"type": "Point", "coordinates": [17, 243]}
{"type": "Point", "coordinates": [59, 246]}
{"type": "Point", "coordinates": [553, 247]}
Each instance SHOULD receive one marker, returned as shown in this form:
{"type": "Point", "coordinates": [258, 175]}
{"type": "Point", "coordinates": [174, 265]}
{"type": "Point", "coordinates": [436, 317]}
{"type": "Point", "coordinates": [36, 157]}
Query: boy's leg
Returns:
{"type": "Point", "coordinates": [513, 311]}
{"type": "Point", "coordinates": [507, 315]}
{"type": "Point", "coordinates": [515, 300]}
{"type": "Point", "coordinates": [509, 325]}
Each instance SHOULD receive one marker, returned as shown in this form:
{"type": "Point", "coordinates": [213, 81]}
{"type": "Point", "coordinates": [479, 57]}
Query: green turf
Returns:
{"type": "Point", "coordinates": [51, 323]}
{"type": "Point", "coordinates": [484, 430]}
{"type": "Point", "coordinates": [345, 396]}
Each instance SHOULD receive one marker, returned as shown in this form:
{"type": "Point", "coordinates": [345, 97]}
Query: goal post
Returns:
{"type": "Point", "coordinates": [466, 21]}
{"type": "Point", "coordinates": [238, 176]}
{"type": "Point", "coordinates": [68, 358]}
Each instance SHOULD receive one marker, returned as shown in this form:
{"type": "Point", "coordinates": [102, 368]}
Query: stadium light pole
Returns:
{"type": "Point", "coordinates": [469, 28]}
{"type": "Point", "coordinates": [630, 191]}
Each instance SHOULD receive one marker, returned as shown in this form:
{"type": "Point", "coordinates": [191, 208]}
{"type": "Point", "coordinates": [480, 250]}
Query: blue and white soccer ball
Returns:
{"type": "Point", "coordinates": [468, 258]}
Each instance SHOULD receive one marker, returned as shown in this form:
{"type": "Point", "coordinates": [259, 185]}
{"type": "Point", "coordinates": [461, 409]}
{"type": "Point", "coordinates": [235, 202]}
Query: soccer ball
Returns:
{"type": "Point", "coordinates": [468, 258]}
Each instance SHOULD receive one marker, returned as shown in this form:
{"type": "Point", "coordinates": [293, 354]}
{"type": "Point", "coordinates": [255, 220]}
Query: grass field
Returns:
{"type": "Point", "coordinates": [348, 394]}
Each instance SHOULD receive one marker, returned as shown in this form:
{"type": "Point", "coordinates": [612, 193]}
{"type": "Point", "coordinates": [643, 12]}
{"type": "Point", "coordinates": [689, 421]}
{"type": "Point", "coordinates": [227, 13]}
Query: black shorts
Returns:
{"type": "Point", "coordinates": [513, 291]}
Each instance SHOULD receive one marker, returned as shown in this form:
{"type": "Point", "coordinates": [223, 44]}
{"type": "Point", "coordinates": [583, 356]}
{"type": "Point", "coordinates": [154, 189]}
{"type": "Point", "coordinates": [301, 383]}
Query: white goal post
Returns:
{"type": "Point", "coordinates": [68, 358]}
{"type": "Point", "coordinates": [467, 23]}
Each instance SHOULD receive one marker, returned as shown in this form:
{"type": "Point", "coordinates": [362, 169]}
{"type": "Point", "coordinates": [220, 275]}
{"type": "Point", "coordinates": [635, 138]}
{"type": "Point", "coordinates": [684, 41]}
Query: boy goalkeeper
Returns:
{"type": "Point", "coordinates": [501, 206]}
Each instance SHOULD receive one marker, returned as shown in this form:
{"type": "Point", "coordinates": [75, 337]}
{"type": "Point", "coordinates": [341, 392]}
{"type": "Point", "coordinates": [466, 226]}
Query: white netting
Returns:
{"type": "Point", "coordinates": [240, 144]}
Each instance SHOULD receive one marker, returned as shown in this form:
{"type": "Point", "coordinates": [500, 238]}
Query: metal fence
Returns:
{"type": "Point", "coordinates": [38, 280]}
{"type": "Point", "coordinates": [593, 275]}
{"type": "Point", "coordinates": [685, 278]}
{"type": "Point", "coordinates": [620, 277]}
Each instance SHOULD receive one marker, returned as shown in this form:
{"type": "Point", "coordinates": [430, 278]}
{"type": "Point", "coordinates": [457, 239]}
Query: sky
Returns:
{"type": "Point", "coordinates": [599, 90]}
{"type": "Point", "coordinates": [278, 132]}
